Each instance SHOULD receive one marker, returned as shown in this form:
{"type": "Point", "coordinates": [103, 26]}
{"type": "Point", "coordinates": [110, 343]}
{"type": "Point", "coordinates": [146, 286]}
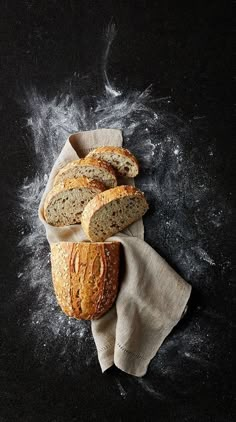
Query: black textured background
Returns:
{"type": "Point", "coordinates": [184, 48]}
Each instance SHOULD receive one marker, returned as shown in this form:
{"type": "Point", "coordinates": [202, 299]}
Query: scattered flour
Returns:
{"type": "Point", "coordinates": [203, 255]}
{"type": "Point", "coordinates": [173, 178]}
{"type": "Point", "coordinates": [121, 389]}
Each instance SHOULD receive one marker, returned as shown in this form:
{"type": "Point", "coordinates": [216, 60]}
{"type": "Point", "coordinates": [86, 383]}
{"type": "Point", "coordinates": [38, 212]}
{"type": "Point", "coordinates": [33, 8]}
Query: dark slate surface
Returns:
{"type": "Point", "coordinates": [185, 53]}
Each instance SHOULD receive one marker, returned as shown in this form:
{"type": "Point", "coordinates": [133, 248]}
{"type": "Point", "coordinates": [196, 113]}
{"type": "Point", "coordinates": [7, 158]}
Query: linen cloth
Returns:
{"type": "Point", "coordinates": [152, 296]}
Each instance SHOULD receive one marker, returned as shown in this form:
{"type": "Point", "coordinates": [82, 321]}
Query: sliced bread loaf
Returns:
{"type": "Point", "coordinates": [120, 158]}
{"type": "Point", "coordinates": [111, 211]}
{"type": "Point", "coordinates": [89, 167]}
{"type": "Point", "coordinates": [85, 277]}
{"type": "Point", "coordinates": [65, 202]}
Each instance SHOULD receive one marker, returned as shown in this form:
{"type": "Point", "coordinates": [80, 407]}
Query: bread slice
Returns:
{"type": "Point", "coordinates": [65, 202]}
{"type": "Point", "coordinates": [120, 158]}
{"type": "Point", "coordinates": [111, 211]}
{"type": "Point", "coordinates": [85, 277]}
{"type": "Point", "coordinates": [89, 167]}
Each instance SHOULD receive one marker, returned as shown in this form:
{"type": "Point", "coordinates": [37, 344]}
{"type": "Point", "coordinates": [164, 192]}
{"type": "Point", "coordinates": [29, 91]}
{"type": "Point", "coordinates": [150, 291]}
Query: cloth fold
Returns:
{"type": "Point", "coordinates": [152, 296]}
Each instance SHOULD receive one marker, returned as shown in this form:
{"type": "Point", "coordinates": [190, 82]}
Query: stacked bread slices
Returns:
{"type": "Point", "coordinates": [85, 192]}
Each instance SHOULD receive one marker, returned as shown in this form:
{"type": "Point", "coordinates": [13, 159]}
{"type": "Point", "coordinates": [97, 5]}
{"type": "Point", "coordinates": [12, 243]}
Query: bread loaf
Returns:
{"type": "Point", "coordinates": [65, 202]}
{"type": "Point", "coordinates": [111, 211]}
{"type": "Point", "coordinates": [85, 277]}
{"type": "Point", "coordinates": [89, 167]}
{"type": "Point", "coordinates": [120, 158]}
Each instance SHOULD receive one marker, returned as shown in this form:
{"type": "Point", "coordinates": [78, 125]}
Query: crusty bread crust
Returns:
{"type": "Point", "coordinates": [116, 150]}
{"type": "Point", "coordinates": [105, 198]}
{"type": "Point", "coordinates": [75, 166]}
{"type": "Point", "coordinates": [85, 277]}
{"type": "Point", "coordinates": [69, 184]}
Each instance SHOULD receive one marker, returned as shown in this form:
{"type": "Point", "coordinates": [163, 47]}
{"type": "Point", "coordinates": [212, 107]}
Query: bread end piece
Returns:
{"type": "Point", "coordinates": [85, 277]}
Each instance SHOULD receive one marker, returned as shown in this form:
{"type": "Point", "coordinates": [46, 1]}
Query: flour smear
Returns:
{"type": "Point", "coordinates": [174, 181]}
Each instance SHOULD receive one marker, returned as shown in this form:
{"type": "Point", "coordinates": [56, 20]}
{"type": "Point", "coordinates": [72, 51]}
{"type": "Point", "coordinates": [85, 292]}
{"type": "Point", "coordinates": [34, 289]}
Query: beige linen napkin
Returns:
{"type": "Point", "coordinates": [152, 296]}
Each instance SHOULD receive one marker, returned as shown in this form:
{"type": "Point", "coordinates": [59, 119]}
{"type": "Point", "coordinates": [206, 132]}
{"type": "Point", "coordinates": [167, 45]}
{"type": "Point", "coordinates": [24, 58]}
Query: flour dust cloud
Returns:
{"type": "Point", "coordinates": [176, 184]}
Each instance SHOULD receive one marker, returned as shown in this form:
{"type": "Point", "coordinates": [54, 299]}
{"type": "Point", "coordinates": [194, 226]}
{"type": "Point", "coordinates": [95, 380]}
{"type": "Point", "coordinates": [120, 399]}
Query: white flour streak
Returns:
{"type": "Point", "coordinates": [121, 389]}
{"type": "Point", "coordinates": [110, 36]}
{"type": "Point", "coordinates": [203, 255]}
{"type": "Point", "coordinates": [149, 388]}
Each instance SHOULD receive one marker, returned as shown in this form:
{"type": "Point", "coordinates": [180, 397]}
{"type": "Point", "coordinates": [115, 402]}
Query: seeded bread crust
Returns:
{"type": "Point", "coordinates": [123, 152]}
{"type": "Point", "coordinates": [107, 197]}
{"type": "Point", "coordinates": [67, 185]}
{"type": "Point", "coordinates": [85, 277]}
{"type": "Point", "coordinates": [74, 168]}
